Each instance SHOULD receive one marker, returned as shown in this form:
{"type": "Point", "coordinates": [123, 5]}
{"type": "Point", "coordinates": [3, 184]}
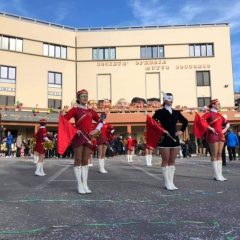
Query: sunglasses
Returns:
{"type": "Point", "coordinates": [83, 96]}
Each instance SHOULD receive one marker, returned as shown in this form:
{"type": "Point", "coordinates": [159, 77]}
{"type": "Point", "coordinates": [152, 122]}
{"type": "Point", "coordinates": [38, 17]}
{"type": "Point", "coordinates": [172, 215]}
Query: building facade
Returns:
{"type": "Point", "coordinates": [45, 64]}
{"type": "Point", "coordinates": [42, 65]}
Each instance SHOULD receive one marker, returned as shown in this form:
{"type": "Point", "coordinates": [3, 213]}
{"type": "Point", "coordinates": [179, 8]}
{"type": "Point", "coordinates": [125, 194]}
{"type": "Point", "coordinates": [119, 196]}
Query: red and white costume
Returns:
{"type": "Point", "coordinates": [106, 134]}
{"type": "Point", "coordinates": [83, 117]}
{"type": "Point", "coordinates": [130, 144]}
{"type": "Point", "coordinates": [83, 121]}
{"type": "Point", "coordinates": [41, 135]}
{"type": "Point", "coordinates": [216, 121]}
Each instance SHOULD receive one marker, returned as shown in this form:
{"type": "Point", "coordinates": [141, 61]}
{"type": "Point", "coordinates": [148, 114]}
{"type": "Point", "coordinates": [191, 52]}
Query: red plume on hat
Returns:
{"type": "Point", "coordinates": [83, 91]}
{"type": "Point", "coordinates": [42, 120]}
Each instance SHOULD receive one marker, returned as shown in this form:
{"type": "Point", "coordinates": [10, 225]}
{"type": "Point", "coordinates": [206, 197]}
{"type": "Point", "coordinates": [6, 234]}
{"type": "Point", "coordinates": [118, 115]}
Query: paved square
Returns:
{"type": "Point", "coordinates": [127, 203]}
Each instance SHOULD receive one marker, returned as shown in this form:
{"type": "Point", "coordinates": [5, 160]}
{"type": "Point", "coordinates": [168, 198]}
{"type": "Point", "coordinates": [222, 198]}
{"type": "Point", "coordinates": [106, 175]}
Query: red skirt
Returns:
{"type": "Point", "coordinates": [213, 137]}
{"type": "Point", "coordinates": [130, 148]}
{"type": "Point", "coordinates": [101, 140]}
{"type": "Point", "coordinates": [39, 148]}
{"type": "Point", "coordinates": [149, 147]}
{"type": "Point", "coordinates": [80, 140]}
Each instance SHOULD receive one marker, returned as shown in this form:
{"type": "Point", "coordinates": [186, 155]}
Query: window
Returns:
{"type": "Point", "coordinates": [197, 51]}
{"type": "Point", "coordinates": [56, 51]}
{"type": "Point", "coordinates": [203, 78]}
{"type": "Point", "coordinates": [55, 103]}
{"type": "Point", "coordinates": [143, 52]}
{"type": "Point", "coordinates": [11, 43]}
{"type": "Point", "coordinates": [191, 50]}
{"type": "Point", "coordinates": [51, 51]}
{"type": "Point", "coordinates": [155, 52]}
{"type": "Point", "coordinates": [201, 50]}
{"type": "Point", "coordinates": [112, 53]}
{"type": "Point", "coordinates": [45, 49]}
{"type": "Point", "coordinates": [203, 101]}
{"type": "Point", "coordinates": [7, 100]}
{"type": "Point", "coordinates": [152, 52]}
{"type": "Point", "coordinates": [5, 43]}
{"type": "Point", "coordinates": [11, 73]}
{"type": "Point", "coordinates": [55, 79]}
{"type": "Point", "coordinates": [209, 50]}
{"type": "Point", "coordinates": [204, 50]}
{"type": "Point", "coordinates": [19, 45]}
{"type": "Point", "coordinates": [63, 52]}
{"type": "Point", "coordinates": [7, 74]}
{"type": "Point", "coordinates": [104, 53]}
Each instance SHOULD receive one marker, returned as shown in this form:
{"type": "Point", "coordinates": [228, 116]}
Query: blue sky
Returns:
{"type": "Point", "coordinates": [106, 13]}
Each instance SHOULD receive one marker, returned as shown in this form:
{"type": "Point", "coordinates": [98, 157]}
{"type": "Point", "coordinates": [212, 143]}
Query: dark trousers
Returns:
{"type": "Point", "coordinates": [232, 153]}
{"type": "Point", "coordinates": [224, 155]}
{"type": "Point", "coordinates": [18, 152]}
{"type": "Point", "coordinates": [9, 149]}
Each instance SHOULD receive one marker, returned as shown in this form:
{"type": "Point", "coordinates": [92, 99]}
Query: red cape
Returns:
{"type": "Point", "coordinates": [66, 132]}
{"type": "Point", "coordinates": [154, 132]}
{"type": "Point", "coordinates": [200, 126]}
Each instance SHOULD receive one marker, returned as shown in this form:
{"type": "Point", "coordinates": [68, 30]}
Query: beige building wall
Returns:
{"type": "Point", "coordinates": [177, 70]}
{"type": "Point", "coordinates": [32, 67]}
{"type": "Point", "coordinates": [128, 74]}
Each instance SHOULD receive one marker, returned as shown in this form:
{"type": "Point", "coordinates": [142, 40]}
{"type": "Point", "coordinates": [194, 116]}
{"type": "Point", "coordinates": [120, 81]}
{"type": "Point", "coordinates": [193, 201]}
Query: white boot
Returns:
{"type": "Point", "coordinates": [147, 160]}
{"type": "Point", "coordinates": [215, 171]}
{"type": "Point", "coordinates": [101, 166]}
{"type": "Point", "coordinates": [38, 170]}
{"type": "Point", "coordinates": [35, 159]}
{"type": "Point", "coordinates": [171, 172]}
{"type": "Point", "coordinates": [130, 158]}
{"type": "Point", "coordinates": [78, 175]}
{"type": "Point", "coordinates": [150, 160]}
{"type": "Point", "coordinates": [41, 170]}
{"type": "Point", "coordinates": [165, 171]}
{"type": "Point", "coordinates": [85, 178]}
{"type": "Point", "coordinates": [220, 171]}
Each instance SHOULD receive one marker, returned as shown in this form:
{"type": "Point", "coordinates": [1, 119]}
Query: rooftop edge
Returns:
{"type": "Point", "coordinates": [109, 28]}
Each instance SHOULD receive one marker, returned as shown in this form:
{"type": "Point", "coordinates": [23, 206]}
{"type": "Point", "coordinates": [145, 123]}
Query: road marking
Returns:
{"type": "Point", "coordinates": [148, 173]}
{"type": "Point", "coordinates": [52, 178]}
{"type": "Point", "coordinates": [98, 180]}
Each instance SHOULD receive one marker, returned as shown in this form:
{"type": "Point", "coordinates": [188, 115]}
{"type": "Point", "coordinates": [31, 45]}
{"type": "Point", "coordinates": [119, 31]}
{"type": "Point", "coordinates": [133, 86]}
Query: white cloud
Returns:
{"type": "Point", "coordinates": [14, 6]}
{"type": "Point", "coordinates": [236, 49]}
{"type": "Point", "coordinates": [61, 11]}
{"type": "Point", "coordinates": [19, 6]}
{"type": "Point", "coordinates": [160, 12]}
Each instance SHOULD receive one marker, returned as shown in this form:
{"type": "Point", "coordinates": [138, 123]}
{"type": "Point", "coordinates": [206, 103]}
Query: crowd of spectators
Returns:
{"type": "Point", "coordinates": [124, 104]}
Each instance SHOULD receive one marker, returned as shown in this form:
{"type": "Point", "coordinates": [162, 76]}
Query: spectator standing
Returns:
{"type": "Point", "coordinates": [238, 146]}
{"type": "Point", "coordinates": [9, 142]}
{"type": "Point", "coordinates": [19, 143]}
{"type": "Point", "coordinates": [232, 143]}
{"type": "Point", "coordinates": [2, 135]}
